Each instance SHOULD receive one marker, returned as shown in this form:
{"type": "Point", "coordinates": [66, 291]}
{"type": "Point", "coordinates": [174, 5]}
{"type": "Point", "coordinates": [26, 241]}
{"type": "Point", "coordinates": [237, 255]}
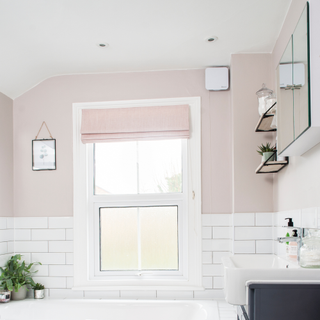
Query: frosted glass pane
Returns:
{"type": "Point", "coordinates": [160, 166]}
{"type": "Point", "coordinates": [116, 168]}
{"type": "Point", "coordinates": [119, 238]}
{"type": "Point", "coordinates": [159, 238]}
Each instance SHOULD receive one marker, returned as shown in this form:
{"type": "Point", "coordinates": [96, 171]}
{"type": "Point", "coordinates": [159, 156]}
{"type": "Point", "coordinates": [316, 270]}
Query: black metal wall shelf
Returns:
{"type": "Point", "coordinates": [270, 166]}
{"type": "Point", "coordinates": [264, 123]}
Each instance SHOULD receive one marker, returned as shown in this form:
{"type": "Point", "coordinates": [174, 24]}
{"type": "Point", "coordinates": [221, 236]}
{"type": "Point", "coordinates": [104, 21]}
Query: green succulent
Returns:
{"type": "Point", "coordinates": [16, 274]}
{"type": "Point", "coordinates": [266, 148]}
{"type": "Point", "coordinates": [38, 286]}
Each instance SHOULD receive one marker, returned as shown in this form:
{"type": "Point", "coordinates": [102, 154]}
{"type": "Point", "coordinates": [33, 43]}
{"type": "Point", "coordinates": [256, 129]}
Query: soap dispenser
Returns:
{"type": "Point", "coordinates": [288, 234]}
{"type": "Point", "coordinates": [293, 246]}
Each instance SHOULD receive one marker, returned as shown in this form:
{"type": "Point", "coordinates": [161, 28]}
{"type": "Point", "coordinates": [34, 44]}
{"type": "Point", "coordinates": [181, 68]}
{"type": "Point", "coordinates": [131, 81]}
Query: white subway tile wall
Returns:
{"type": "Point", "coordinates": [50, 241]}
{"type": "Point", "coordinates": [6, 239]}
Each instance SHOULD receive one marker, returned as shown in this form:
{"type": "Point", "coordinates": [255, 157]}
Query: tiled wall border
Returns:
{"type": "Point", "coordinates": [50, 240]}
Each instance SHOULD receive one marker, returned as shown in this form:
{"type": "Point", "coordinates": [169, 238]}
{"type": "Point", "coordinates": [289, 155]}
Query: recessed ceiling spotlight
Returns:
{"type": "Point", "coordinates": [212, 39]}
{"type": "Point", "coordinates": [103, 45]}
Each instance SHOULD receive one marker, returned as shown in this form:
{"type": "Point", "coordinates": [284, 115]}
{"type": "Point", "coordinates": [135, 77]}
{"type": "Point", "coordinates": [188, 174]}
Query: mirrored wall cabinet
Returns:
{"type": "Point", "coordinates": [298, 98]}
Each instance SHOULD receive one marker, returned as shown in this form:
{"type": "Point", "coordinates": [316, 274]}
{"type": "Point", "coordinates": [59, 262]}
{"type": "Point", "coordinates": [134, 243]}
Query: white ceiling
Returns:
{"type": "Point", "coordinates": [44, 38]}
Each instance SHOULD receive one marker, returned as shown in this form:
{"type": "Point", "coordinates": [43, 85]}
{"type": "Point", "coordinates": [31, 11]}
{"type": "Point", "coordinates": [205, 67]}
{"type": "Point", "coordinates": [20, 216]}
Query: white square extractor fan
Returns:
{"type": "Point", "coordinates": [217, 78]}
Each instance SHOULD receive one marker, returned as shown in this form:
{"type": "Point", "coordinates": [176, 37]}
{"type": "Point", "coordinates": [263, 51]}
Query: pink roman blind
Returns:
{"type": "Point", "coordinates": [136, 123]}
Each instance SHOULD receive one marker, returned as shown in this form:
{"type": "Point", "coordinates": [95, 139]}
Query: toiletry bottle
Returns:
{"type": "Point", "coordinates": [293, 247]}
{"type": "Point", "coordinates": [288, 234]}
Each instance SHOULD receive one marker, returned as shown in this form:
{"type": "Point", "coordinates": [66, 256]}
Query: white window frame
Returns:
{"type": "Point", "coordinates": [86, 276]}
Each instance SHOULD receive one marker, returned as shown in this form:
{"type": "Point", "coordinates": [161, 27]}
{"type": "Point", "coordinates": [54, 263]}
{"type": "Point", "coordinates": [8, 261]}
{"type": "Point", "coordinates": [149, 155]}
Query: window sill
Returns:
{"type": "Point", "coordinates": [157, 288]}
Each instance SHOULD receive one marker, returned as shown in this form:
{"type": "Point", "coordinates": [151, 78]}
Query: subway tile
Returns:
{"type": "Point", "coordinates": [218, 255]}
{"type": "Point", "coordinates": [264, 219]}
{"type": "Point", "coordinates": [112, 294]}
{"type": "Point", "coordinates": [265, 246]}
{"type": "Point", "coordinates": [60, 246]}
{"type": "Point", "coordinates": [61, 270]}
{"type": "Point", "coordinates": [22, 234]}
{"type": "Point", "coordinates": [69, 234]}
{"type": "Point", "coordinates": [309, 218]}
{"type": "Point", "coordinates": [3, 247]}
{"type": "Point", "coordinates": [51, 282]}
{"type": "Point", "coordinates": [206, 257]}
{"type": "Point", "coordinates": [69, 258]}
{"type": "Point", "coordinates": [216, 245]}
{"type": "Point", "coordinates": [206, 232]}
{"type": "Point", "coordinates": [6, 235]}
{"type": "Point", "coordinates": [244, 247]}
{"type": "Point", "coordinates": [222, 232]}
{"type": "Point", "coordinates": [243, 219]}
{"type": "Point", "coordinates": [69, 282]}
{"type": "Point", "coordinates": [214, 294]}
{"type": "Point", "coordinates": [212, 270]}
{"type": "Point", "coordinates": [138, 294]}
{"type": "Point", "coordinates": [10, 247]}
{"type": "Point", "coordinates": [207, 282]}
{"type": "Point", "coordinates": [61, 222]}
{"type": "Point", "coordinates": [26, 257]}
{"type": "Point", "coordinates": [3, 223]}
{"type": "Point", "coordinates": [65, 294]}
{"type": "Point", "coordinates": [253, 233]}
{"type": "Point", "coordinates": [10, 222]}
{"type": "Point", "coordinates": [218, 282]}
{"type": "Point", "coordinates": [175, 294]}
{"type": "Point", "coordinates": [31, 246]}
{"type": "Point", "coordinates": [31, 222]}
{"type": "Point", "coordinates": [49, 258]}
{"type": "Point", "coordinates": [216, 219]}
{"type": "Point", "coordinates": [48, 234]}
{"type": "Point", "coordinates": [42, 270]}
{"type": "Point", "coordinates": [4, 258]}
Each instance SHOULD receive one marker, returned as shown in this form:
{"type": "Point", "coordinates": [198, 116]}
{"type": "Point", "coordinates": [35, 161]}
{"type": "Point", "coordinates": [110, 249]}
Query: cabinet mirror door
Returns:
{"type": "Point", "coordinates": [293, 107]}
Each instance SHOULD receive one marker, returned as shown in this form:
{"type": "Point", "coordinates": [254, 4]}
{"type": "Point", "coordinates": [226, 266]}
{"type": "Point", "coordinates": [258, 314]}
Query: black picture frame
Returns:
{"type": "Point", "coordinates": [44, 154]}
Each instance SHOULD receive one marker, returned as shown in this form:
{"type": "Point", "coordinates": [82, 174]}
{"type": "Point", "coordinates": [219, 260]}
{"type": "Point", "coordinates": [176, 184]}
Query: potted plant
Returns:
{"type": "Point", "coordinates": [267, 151]}
{"type": "Point", "coordinates": [38, 291]}
{"type": "Point", "coordinates": [15, 277]}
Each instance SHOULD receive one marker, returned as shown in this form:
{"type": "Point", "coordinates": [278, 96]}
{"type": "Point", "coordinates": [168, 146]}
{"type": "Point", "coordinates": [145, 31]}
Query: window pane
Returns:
{"type": "Point", "coordinates": [159, 238]}
{"type": "Point", "coordinates": [116, 168]}
{"type": "Point", "coordinates": [160, 166]}
{"type": "Point", "coordinates": [119, 238]}
{"type": "Point", "coordinates": [138, 167]}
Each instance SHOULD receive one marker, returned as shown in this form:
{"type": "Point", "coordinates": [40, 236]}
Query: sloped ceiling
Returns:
{"type": "Point", "coordinates": [40, 39]}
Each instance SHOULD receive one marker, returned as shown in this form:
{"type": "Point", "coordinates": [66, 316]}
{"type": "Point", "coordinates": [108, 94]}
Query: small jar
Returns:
{"type": "Point", "coordinates": [262, 94]}
{"type": "Point", "coordinates": [5, 296]}
{"type": "Point", "coordinates": [310, 250]}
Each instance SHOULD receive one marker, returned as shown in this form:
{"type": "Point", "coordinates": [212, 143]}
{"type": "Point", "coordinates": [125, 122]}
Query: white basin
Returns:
{"type": "Point", "coordinates": [239, 269]}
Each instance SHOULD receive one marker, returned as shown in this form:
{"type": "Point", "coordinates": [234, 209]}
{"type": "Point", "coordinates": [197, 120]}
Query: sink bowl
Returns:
{"type": "Point", "coordinates": [239, 269]}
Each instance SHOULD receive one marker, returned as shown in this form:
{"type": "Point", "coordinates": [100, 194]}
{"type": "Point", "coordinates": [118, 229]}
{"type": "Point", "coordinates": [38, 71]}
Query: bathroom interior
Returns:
{"type": "Point", "coordinates": [240, 202]}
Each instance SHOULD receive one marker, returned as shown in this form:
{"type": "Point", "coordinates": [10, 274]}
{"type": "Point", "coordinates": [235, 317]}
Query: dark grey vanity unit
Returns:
{"type": "Point", "coordinates": [283, 301]}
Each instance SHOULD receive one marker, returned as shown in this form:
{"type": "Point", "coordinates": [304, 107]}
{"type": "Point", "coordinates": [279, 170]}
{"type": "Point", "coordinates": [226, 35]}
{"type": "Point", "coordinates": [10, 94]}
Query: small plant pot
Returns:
{"type": "Point", "coordinates": [5, 296]}
{"type": "Point", "coordinates": [267, 155]}
{"type": "Point", "coordinates": [20, 295]}
{"type": "Point", "coordinates": [39, 294]}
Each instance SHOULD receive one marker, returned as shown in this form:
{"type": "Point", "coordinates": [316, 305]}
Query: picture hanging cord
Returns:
{"type": "Point", "coordinates": [47, 129]}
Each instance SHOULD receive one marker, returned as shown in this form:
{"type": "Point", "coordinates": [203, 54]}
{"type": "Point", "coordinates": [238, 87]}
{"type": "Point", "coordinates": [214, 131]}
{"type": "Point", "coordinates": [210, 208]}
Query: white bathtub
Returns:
{"type": "Point", "coordinates": [82, 309]}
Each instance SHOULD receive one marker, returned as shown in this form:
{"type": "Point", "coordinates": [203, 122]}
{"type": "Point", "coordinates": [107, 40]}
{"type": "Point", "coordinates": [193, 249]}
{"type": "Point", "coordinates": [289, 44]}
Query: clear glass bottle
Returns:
{"type": "Point", "coordinates": [262, 94]}
{"type": "Point", "coordinates": [310, 249]}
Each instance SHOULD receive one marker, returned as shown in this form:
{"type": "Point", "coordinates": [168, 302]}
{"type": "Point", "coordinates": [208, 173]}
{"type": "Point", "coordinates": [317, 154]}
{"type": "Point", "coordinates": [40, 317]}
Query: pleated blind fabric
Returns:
{"type": "Point", "coordinates": [136, 123]}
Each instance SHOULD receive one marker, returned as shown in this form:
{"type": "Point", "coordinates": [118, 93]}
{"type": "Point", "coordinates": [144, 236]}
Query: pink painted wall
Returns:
{"type": "Point", "coordinates": [251, 192]}
{"type": "Point", "coordinates": [6, 156]}
{"type": "Point", "coordinates": [50, 193]}
{"type": "Point", "coordinates": [298, 185]}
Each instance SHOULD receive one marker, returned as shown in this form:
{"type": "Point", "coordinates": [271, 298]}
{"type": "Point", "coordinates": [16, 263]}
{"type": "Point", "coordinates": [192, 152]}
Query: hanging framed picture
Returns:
{"type": "Point", "coordinates": [43, 154]}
